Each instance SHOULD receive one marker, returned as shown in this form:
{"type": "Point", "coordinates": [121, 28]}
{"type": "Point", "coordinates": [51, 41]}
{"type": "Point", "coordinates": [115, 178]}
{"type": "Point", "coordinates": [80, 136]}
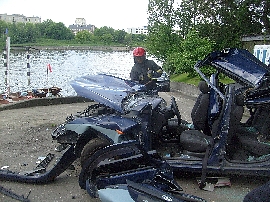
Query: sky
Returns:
{"type": "Point", "coordinates": [118, 14]}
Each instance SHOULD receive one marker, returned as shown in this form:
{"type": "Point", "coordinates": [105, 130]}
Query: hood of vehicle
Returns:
{"type": "Point", "coordinates": [105, 89]}
{"type": "Point", "coordinates": [238, 64]}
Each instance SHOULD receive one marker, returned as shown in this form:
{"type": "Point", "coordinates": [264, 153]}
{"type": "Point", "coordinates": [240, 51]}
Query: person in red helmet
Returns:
{"type": "Point", "coordinates": [144, 70]}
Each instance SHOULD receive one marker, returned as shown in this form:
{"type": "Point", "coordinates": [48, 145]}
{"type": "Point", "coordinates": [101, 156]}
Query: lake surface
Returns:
{"type": "Point", "coordinates": [66, 66]}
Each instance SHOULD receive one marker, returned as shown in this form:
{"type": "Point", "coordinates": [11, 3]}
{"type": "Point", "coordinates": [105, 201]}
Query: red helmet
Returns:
{"type": "Point", "coordinates": [139, 51]}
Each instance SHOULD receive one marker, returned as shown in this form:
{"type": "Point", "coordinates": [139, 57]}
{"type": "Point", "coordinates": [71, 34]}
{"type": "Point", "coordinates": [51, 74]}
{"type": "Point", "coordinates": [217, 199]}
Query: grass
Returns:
{"type": "Point", "coordinates": [73, 42]}
{"type": "Point", "coordinates": [195, 80]}
{"type": "Point", "coordinates": [52, 42]}
{"type": "Point", "coordinates": [185, 79]}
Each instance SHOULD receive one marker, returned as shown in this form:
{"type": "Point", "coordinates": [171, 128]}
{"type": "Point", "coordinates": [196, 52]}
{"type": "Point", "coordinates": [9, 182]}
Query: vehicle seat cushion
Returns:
{"type": "Point", "coordinates": [195, 141]}
{"type": "Point", "coordinates": [256, 137]}
{"type": "Point", "coordinates": [261, 120]}
{"type": "Point", "coordinates": [235, 118]}
{"type": "Point", "coordinates": [254, 144]}
{"type": "Point", "coordinates": [199, 113]}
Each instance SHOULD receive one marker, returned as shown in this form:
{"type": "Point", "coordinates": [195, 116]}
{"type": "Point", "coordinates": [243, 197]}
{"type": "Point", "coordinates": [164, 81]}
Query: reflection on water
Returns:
{"type": "Point", "coordinates": [66, 65]}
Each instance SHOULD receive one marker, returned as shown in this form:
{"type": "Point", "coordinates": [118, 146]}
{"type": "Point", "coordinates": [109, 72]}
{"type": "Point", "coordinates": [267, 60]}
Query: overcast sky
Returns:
{"type": "Point", "coordinates": [118, 14]}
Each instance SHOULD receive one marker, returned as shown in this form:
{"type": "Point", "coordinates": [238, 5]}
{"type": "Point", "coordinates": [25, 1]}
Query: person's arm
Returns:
{"type": "Point", "coordinates": [134, 75]}
{"type": "Point", "coordinates": [155, 71]}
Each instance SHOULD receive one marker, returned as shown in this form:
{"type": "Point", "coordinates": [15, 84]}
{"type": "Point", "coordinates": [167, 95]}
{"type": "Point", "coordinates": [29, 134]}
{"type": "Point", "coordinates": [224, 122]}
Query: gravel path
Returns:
{"type": "Point", "coordinates": [25, 136]}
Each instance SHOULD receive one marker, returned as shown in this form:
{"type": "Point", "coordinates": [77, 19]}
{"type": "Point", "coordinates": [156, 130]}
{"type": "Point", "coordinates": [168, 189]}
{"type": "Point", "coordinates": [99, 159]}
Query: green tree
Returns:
{"type": "Point", "coordinates": [58, 31]}
{"type": "Point", "coordinates": [62, 32]}
{"type": "Point", "coordinates": [186, 15]}
{"type": "Point", "coordinates": [128, 39]}
{"type": "Point", "coordinates": [3, 27]}
{"type": "Point", "coordinates": [119, 36]}
{"type": "Point", "coordinates": [162, 39]}
{"type": "Point", "coordinates": [106, 39]}
{"type": "Point", "coordinates": [224, 21]}
{"type": "Point", "coordinates": [139, 38]}
{"type": "Point", "coordinates": [221, 22]}
{"type": "Point", "coordinates": [105, 34]}
{"type": "Point", "coordinates": [260, 10]}
{"type": "Point", "coordinates": [194, 48]}
{"type": "Point", "coordinates": [84, 37]}
{"type": "Point", "coordinates": [22, 33]}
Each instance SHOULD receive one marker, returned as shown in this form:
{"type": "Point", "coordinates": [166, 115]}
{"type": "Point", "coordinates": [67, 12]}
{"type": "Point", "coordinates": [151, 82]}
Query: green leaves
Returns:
{"type": "Point", "coordinates": [29, 33]}
{"type": "Point", "coordinates": [194, 48]}
{"type": "Point", "coordinates": [219, 24]}
{"type": "Point", "coordinates": [84, 37]}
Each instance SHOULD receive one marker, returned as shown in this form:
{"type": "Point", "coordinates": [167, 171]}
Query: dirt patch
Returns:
{"type": "Point", "coordinates": [26, 135]}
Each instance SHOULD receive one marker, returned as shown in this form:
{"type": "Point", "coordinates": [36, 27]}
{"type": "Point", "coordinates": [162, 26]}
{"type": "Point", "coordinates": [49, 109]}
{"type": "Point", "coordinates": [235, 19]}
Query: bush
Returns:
{"type": "Point", "coordinates": [193, 48]}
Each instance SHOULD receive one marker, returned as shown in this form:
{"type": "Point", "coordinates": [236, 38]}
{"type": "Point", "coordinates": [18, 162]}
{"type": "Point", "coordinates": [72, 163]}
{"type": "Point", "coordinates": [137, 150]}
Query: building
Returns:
{"type": "Point", "coordinates": [15, 18]}
{"type": "Point", "coordinates": [259, 45]}
{"type": "Point", "coordinates": [262, 52]}
{"type": "Point", "coordinates": [249, 42]}
{"type": "Point", "coordinates": [80, 25]}
{"type": "Point", "coordinates": [80, 21]}
{"type": "Point", "coordinates": [138, 30]}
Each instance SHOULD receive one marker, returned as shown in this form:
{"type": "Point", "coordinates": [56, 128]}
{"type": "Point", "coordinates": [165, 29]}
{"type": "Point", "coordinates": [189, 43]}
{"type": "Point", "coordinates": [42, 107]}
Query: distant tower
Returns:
{"type": "Point", "coordinates": [80, 21]}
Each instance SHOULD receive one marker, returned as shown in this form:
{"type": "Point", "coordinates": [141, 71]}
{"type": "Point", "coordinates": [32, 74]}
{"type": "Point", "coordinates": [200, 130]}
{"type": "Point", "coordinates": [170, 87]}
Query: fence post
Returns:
{"type": "Point", "coordinates": [6, 65]}
{"type": "Point", "coordinates": [28, 69]}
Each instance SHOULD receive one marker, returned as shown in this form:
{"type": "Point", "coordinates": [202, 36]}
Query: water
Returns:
{"type": "Point", "coordinates": [66, 66]}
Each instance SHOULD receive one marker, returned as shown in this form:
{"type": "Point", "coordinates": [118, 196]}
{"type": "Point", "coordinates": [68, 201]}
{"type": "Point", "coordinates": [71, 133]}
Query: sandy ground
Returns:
{"type": "Point", "coordinates": [25, 135]}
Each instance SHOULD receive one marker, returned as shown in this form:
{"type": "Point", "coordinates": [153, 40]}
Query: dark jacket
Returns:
{"type": "Point", "coordinates": [144, 72]}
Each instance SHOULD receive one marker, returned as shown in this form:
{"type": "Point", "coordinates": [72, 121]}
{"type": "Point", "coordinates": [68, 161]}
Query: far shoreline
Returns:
{"type": "Point", "coordinates": [93, 48]}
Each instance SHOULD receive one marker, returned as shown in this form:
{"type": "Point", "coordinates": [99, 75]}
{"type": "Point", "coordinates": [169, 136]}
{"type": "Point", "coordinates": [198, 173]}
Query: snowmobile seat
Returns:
{"type": "Point", "coordinates": [236, 115]}
{"type": "Point", "coordinates": [197, 140]}
{"type": "Point", "coordinates": [199, 113]}
{"type": "Point", "coordinates": [255, 137]}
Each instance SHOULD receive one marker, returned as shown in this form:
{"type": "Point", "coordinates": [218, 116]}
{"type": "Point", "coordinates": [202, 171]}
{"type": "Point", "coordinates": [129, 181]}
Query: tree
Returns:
{"type": "Point", "coordinates": [186, 14]}
{"type": "Point", "coordinates": [84, 37]}
{"type": "Point", "coordinates": [58, 31]}
{"type": "Point", "coordinates": [3, 28]}
{"type": "Point", "coordinates": [106, 38]}
{"type": "Point", "coordinates": [119, 36]}
{"type": "Point", "coordinates": [260, 10]}
{"type": "Point", "coordinates": [194, 48]}
{"type": "Point", "coordinates": [128, 39]}
{"type": "Point", "coordinates": [224, 21]}
{"type": "Point", "coordinates": [62, 32]}
{"type": "Point", "coordinates": [221, 22]}
{"type": "Point", "coordinates": [104, 34]}
{"type": "Point", "coordinates": [162, 38]}
{"type": "Point", "coordinates": [22, 33]}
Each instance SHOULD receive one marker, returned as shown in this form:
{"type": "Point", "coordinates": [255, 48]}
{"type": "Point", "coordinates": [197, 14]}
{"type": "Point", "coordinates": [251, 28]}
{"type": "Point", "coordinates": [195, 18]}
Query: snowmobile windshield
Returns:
{"type": "Point", "coordinates": [105, 89]}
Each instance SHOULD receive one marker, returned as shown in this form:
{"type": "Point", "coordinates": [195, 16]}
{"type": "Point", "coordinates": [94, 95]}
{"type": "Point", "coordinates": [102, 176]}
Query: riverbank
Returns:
{"type": "Point", "coordinates": [92, 48]}
{"type": "Point", "coordinates": [46, 101]}
{"type": "Point", "coordinates": [185, 89]}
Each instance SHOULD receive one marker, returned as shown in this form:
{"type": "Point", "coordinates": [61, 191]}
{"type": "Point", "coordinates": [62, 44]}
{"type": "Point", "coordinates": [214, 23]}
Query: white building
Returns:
{"type": "Point", "coordinates": [262, 52]}
{"type": "Point", "coordinates": [80, 25]}
{"type": "Point", "coordinates": [138, 30]}
{"type": "Point", "coordinates": [15, 18]}
{"type": "Point", "coordinates": [80, 21]}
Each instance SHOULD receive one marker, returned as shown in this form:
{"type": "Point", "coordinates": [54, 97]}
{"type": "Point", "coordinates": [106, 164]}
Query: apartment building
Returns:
{"type": "Point", "coordinates": [138, 30]}
{"type": "Point", "coordinates": [15, 18]}
{"type": "Point", "coordinates": [80, 25]}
